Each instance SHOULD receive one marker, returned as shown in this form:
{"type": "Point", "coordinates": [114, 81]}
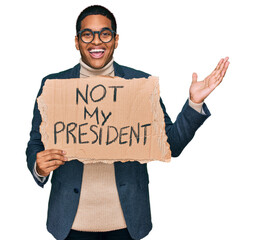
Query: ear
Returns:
{"type": "Point", "coordinates": [77, 43]}
{"type": "Point", "coordinates": [116, 41]}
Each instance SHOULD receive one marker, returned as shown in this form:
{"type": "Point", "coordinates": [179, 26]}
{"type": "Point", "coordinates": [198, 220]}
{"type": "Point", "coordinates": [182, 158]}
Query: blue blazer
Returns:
{"type": "Point", "coordinates": [131, 177]}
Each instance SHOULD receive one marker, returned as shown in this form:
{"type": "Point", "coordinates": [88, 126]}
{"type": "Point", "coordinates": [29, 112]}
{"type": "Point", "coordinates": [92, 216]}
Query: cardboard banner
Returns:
{"type": "Point", "coordinates": [104, 119]}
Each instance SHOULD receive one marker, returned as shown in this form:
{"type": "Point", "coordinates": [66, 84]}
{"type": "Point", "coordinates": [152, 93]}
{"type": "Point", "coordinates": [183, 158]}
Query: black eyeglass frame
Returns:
{"type": "Point", "coordinates": [98, 32]}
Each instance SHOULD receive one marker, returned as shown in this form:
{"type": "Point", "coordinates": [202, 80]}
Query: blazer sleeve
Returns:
{"type": "Point", "coordinates": [35, 144]}
{"type": "Point", "coordinates": [180, 133]}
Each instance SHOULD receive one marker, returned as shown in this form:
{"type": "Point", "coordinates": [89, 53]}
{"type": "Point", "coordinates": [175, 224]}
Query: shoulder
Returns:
{"type": "Point", "coordinates": [73, 72]}
{"type": "Point", "coordinates": [129, 72]}
{"type": "Point", "coordinates": [68, 73]}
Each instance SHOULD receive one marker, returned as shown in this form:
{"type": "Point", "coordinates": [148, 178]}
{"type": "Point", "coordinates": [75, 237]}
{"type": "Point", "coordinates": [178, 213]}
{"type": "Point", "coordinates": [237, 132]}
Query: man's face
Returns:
{"type": "Point", "coordinates": [96, 59]}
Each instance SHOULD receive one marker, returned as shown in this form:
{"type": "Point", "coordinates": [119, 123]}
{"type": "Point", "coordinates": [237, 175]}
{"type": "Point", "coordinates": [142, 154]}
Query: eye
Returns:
{"type": "Point", "coordinates": [86, 34]}
{"type": "Point", "coordinates": [106, 34]}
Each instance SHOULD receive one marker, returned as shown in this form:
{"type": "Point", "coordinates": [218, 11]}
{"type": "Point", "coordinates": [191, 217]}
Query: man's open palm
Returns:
{"type": "Point", "coordinates": [200, 90]}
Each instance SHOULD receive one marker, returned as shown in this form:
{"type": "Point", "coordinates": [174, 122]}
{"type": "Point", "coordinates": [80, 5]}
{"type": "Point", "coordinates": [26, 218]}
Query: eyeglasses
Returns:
{"type": "Point", "coordinates": [105, 35]}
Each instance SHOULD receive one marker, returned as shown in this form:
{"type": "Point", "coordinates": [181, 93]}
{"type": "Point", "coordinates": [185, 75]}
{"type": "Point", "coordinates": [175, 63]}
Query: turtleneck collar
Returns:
{"type": "Point", "coordinates": [87, 71]}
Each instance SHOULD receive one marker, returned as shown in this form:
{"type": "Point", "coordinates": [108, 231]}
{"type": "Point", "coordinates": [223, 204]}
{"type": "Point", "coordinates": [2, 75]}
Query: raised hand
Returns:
{"type": "Point", "coordinates": [200, 90]}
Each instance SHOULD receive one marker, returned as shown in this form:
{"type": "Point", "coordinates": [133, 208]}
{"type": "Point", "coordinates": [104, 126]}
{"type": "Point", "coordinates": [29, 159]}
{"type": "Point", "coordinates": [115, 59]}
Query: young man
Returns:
{"type": "Point", "coordinates": [107, 201]}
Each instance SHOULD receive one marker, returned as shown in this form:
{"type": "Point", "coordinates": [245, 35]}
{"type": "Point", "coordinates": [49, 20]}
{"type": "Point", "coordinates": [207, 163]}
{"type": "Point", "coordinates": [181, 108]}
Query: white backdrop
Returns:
{"type": "Point", "coordinates": [208, 191]}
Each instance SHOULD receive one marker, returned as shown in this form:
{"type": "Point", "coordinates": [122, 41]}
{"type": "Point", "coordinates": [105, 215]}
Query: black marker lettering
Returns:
{"type": "Point", "coordinates": [100, 136]}
{"type": "Point", "coordinates": [94, 133]}
{"type": "Point", "coordinates": [105, 117]}
{"type": "Point", "coordinates": [122, 134]}
{"type": "Point", "coordinates": [108, 133]}
{"type": "Point", "coordinates": [145, 132]}
{"type": "Point", "coordinates": [82, 133]}
{"type": "Point", "coordinates": [69, 131]}
{"type": "Point", "coordinates": [103, 95]}
{"type": "Point", "coordinates": [137, 135]}
{"type": "Point", "coordinates": [91, 115]}
{"type": "Point", "coordinates": [115, 92]}
{"type": "Point", "coordinates": [85, 99]}
{"type": "Point", "coordinates": [58, 131]}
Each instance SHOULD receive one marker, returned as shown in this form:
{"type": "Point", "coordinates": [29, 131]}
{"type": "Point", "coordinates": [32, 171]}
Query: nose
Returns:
{"type": "Point", "coordinates": [96, 39]}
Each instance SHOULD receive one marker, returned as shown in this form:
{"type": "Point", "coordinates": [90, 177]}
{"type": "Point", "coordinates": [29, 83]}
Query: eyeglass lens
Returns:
{"type": "Point", "coordinates": [105, 36]}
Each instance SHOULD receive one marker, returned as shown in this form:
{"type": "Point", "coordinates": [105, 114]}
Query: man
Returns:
{"type": "Point", "coordinates": [107, 201]}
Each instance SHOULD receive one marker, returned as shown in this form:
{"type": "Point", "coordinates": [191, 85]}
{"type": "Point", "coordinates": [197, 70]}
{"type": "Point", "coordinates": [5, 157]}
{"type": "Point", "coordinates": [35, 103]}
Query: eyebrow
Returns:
{"type": "Point", "coordinates": [97, 30]}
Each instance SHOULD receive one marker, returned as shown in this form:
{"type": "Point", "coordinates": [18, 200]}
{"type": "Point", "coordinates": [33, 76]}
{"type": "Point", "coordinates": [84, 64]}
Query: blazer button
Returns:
{"type": "Point", "coordinates": [76, 190]}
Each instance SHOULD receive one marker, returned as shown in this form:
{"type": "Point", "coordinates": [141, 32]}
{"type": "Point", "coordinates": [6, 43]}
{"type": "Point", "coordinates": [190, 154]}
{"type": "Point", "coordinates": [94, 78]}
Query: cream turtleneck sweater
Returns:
{"type": "Point", "coordinates": [99, 207]}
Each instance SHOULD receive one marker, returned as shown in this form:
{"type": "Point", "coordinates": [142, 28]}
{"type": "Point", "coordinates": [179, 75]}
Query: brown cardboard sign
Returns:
{"type": "Point", "coordinates": [104, 119]}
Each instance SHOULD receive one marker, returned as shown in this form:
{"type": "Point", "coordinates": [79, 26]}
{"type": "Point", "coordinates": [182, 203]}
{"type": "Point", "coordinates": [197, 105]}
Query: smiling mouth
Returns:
{"type": "Point", "coordinates": [96, 53]}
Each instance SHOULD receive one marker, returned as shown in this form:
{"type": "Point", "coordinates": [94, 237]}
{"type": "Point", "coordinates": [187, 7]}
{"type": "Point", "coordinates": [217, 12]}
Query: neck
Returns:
{"type": "Point", "coordinates": [87, 71]}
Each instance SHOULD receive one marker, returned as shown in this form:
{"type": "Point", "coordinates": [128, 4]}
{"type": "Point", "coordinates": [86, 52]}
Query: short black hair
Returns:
{"type": "Point", "coordinates": [96, 10]}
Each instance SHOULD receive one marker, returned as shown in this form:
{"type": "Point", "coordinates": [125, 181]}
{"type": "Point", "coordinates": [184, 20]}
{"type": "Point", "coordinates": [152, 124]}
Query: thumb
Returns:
{"type": "Point", "coordinates": [194, 77]}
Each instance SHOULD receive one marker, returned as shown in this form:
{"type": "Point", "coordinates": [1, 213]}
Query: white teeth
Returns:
{"type": "Point", "coordinates": [96, 50]}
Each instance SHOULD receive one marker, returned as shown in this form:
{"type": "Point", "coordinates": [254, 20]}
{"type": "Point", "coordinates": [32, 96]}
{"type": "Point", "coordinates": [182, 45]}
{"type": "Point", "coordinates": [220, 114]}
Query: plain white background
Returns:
{"type": "Point", "coordinates": [207, 192]}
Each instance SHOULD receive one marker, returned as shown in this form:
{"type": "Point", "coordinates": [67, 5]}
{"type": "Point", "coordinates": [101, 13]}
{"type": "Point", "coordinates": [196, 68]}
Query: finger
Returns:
{"type": "Point", "coordinates": [42, 167]}
{"type": "Point", "coordinates": [50, 157]}
{"type": "Point", "coordinates": [54, 156]}
{"type": "Point", "coordinates": [50, 169]}
{"type": "Point", "coordinates": [224, 61]}
{"type": "Point", "coordinates": [222, 70]}
{"type": "Point", "coordinates": [40, 170]}
{"type": "Point", "coordinates": [54, 163]}
{"type": "Point", "coordinates": [47, 171]}
{"type": "Point", "coordinates": [194, 77]}
{"type": "Point", "coordinates": [216, 75]}
{"type": "Point", "coordinates": [49, 151]}
{"type": "Point", "coordinates": [219, 66]}
{"type": "Point", "coordinates": [225, 69]}
{"type": "Point", "coordinates": [221, 75]}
